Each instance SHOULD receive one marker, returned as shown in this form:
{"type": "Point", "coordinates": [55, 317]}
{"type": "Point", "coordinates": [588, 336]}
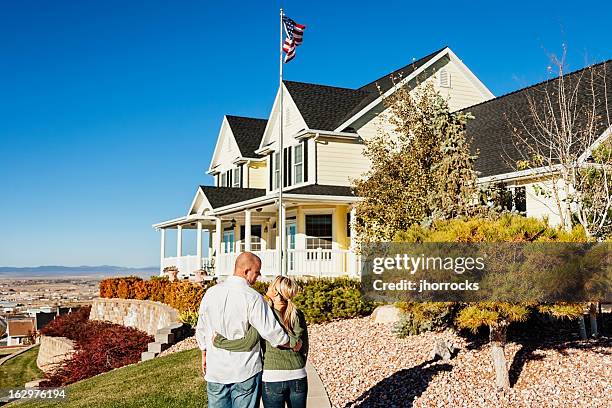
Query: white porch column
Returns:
{"type": "Point", "coordinates": [354, 269]}
{"type": "Point", "coordinates": [247, 230]}
{"type": "Point", "coordinates": [179, 241]}
{"type": "Point", "coordinates": [199, 245]}
{"type": "Point", "coordinates": [210, 244]}
{"type": "Point", "coordinates": [283, 240]}
{"type": "Point", "coordinates": [162, 250]}
{"type": "Point", "coordinates": [352, 226]}
{"type": "Point", "coordinates": [217, 239]}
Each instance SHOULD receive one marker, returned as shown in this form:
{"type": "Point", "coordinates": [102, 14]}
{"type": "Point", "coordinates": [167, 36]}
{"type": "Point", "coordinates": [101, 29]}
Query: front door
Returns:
{"type": "Point", "coordinates": [291, 228]}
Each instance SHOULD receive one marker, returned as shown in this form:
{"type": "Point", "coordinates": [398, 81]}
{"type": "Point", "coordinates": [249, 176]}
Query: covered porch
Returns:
{"type": "Point", "coordinates": [317, 237]}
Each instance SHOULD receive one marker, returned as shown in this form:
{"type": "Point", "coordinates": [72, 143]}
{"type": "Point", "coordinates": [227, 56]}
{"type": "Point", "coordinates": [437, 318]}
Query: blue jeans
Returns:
{"type": "Point", "coordinates": [238, 395]}
{"type": "Point", "coordinates": [292, 392]}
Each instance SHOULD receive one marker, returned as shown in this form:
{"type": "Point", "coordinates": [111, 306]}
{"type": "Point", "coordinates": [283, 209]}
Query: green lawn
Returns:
{"type": "Point", "coordinates": [166, 382]}
{"type": "Point", "coordinates": [19, 370]}
{"type": "Point", "coordinates": [10, 350]}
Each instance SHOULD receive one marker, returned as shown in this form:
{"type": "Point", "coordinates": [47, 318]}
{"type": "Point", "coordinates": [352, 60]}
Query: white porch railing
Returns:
{"type": "Point", "coordinates": [186, 264]}
{"type": "Point", "coordinates": [300, 262]}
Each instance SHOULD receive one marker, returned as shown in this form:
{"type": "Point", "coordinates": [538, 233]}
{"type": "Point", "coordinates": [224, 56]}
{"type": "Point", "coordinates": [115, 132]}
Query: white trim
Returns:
{"type": "Point", "coordinates": [267, 142]}
{"type": "Point", "coordinates": [206, 202]}
{"type": "Point", "coordinates": [584, 156]}
{"type": "Point", "coordinates": [182, 220]}
{"type": "Point", "coordinates": [224, 123]}
{"type": "Point", "coordinates": [307, 133]}
{"type": "Point", "coordinates": [515, 175]}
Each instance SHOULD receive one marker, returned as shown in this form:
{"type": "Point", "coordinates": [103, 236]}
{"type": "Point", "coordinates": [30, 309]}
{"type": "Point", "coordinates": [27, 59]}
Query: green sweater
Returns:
{"type": "Point", "coordinates": [273, 358]}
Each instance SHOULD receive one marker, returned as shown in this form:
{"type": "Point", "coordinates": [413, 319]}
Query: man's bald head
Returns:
{"type": "Point", "coordinates": [248, 266]}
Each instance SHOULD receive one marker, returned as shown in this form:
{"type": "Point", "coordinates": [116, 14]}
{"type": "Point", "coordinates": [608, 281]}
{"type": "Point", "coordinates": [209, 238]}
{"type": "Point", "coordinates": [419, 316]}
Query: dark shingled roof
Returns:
{"type": "Point", "coordinates": [248, 133]}
{"type": "Point", "coordinates": [327, 107]}
{"type": "Point", "coordinates": [322, 106]}
{"type": "Point", "coordinates": [492, 132]}
{"type": "Point", "coordinates": [222, 196]}
{"type": "Point", "coordinates": [385, 83]}
{"type": "Point", "coordinates": [321, 189]}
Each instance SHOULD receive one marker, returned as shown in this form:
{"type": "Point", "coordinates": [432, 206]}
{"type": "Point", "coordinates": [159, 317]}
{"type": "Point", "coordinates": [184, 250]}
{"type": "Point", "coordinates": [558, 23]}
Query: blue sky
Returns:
{"type": "Point", "coordinates": [109, 110]}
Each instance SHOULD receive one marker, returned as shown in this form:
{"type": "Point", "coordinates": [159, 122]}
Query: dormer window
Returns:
{"type": "Point", "coordinates": [298, 164]}
{"type": "Point", "coordinates": [276, 170]}
{"type": "Point", "coordinates": [223, 180]}
{"type": "Point", "coordinates": [236, 178]}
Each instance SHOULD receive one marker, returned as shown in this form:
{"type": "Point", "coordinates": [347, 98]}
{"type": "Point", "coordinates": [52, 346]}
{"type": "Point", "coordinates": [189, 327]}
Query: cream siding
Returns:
{"type": "Point", "coordinates": [258, 175]}
{"type": "Point", "coordinates": [339, 161]}
{"type": "Point", "coordinates": [540, 200]}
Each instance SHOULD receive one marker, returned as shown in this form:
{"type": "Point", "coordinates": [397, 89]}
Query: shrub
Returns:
{"type": "Point", "coordinates": [323, 300]}
{"type": "Point", "coordinates": [419, 317]}
{"type": "Point", "coordinates": [104, 346]}
{"type": "Point", "coordinates": [100, 346]}
{"type": "Point", "coordinates": [72, 325]}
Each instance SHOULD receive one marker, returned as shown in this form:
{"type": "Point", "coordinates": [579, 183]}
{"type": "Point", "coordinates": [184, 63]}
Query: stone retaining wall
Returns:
{"type": "Point", "coordinates": [144, 315]}
{"type": "Point", "coordinates": [53, 350]}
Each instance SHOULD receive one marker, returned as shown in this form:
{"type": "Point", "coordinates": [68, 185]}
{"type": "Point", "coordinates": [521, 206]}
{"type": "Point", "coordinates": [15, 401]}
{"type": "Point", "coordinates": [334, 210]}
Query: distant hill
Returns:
{"type": "Point", "coordinates": [84, 271]}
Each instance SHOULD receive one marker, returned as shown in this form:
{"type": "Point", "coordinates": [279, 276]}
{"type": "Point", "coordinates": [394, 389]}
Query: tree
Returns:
{"type": "Point", "coordinates": [560, 134]}
{"type": "Point", "coordinates": [421, 171]}
{"type": "Point", "coordinates": [498, 316]}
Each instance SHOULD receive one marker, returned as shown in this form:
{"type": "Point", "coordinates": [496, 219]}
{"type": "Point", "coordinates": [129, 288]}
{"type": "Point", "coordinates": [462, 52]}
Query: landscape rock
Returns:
{"type": "Point", "coordinates": [386, 314]}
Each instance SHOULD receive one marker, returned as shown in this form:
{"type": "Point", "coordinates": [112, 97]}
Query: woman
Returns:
{"type": "Point", "coordinates": [284, 372]}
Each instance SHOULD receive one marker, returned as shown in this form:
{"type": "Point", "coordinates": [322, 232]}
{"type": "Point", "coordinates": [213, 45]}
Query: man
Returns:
{"type": "Point", "coordinates": [230, 308]}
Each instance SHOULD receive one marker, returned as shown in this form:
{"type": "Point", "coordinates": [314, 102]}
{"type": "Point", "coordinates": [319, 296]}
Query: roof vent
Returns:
{"type": "Point", "coordinates": [444, 78]}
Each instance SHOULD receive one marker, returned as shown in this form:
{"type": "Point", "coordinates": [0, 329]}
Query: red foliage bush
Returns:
{"type": "Point", "coordinates": [100, 347]}
{"type": "Point", "coordinates": [72, 325]}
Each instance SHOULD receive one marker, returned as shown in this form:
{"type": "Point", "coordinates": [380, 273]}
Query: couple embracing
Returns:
{"type": "Point", "coordinates": [252, 349]}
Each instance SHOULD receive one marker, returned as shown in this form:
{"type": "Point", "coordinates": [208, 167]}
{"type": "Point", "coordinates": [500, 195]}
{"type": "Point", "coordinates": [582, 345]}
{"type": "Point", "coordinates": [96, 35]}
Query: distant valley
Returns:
{"type": "Point", "coordinates": [55, 271]}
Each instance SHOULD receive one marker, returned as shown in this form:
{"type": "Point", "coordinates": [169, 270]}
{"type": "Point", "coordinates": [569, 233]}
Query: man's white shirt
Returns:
{"type": "Point", "coordinates": [229, 309]}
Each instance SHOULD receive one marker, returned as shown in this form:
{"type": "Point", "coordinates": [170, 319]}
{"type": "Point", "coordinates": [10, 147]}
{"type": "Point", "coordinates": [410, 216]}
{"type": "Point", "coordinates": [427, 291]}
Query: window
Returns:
{"type": "Point", "coordinates": [276, 170]}
{"type": "Point", "coordinates": [298, 164]}
{"type": "Point", "coordinates": [223, 180]}
{"type": "Point", "coordinates": [228, 241]}
{"type": "Point", "coordinates": [519, 200]}
{"type": "Point", "coordinates": [236, 180]}
{"type": "Point", "coordinates": [255, 237]}
{"type": "Point", "coordinates": [348, 224]}
{"type": "Point", "coordinates": [319, 231]}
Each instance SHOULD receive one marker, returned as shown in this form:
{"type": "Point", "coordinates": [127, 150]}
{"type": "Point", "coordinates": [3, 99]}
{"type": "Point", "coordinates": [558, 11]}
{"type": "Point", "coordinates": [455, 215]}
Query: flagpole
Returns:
{"type": "Point", "coordinates": [281, 209]}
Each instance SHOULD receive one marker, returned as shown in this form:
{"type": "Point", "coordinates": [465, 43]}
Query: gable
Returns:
{"type": "Point", "coordinates": [247, 133]}
{"type": "Point", "coordinates": [463, 90]}
{"type": "Point", "coordinates": [293, 121]}
{"type": "Point", "coordinates": [226, 149]}
{"type": "Point", "coordinates": [200, 203]}
{"type": "Point", "coordinates": [466, 89]}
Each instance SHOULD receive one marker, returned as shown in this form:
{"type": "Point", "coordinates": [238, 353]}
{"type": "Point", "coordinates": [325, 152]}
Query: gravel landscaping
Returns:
{"type": "Point", "coordinates": [362, 364]}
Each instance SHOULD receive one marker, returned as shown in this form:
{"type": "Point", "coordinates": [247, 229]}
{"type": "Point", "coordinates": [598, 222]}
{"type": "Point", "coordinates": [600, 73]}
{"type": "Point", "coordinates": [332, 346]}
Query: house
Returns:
{"type": "Point", "coordinates": [324, 129]}
{"type": "Point", "coordinates": [19, 330]}
{"type": "Point", "coordinates": [493, 132]}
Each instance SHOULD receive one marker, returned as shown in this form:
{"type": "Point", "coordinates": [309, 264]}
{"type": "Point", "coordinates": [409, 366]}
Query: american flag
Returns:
{"type": "Point", "coordinates": [294, 32]}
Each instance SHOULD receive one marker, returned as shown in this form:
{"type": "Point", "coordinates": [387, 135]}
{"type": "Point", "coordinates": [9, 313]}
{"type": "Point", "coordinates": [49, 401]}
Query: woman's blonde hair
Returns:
{"type": "Point", "coordinates": [287, 289]}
